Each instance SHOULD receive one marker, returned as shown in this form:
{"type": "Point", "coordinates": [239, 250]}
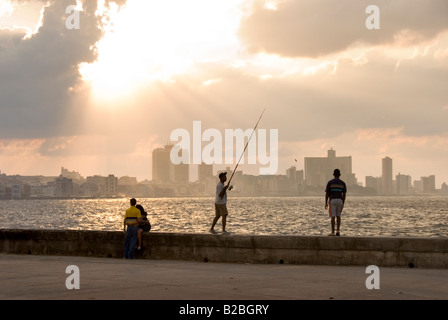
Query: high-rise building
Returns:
{"type": "Point", "coordinates": [429, 184]}
{"type": "Point", "coordinates": [205, 171]}
{"type": "Point", "coordinates": [63, 187]}
{"type": "Point", "coordinates": [373, 183]}
{"type": "Point", "coordinates": [444, 189]}
{"type": "Point", "coordinates": [403, 184]}
{"type": "Point", "coordinates": [291, 174]}
{"type": "Point", "coordinates": [181, 172]}
{"type": "Point", "coordinates": [163, 170]}
{"type": "Point", "coordinates": [161, 164]}
{"type": "Point", "coordinates": [111, 183]}
{"type": "Point", "coordinates": [387, 180]}
{"type": "Point", "coordinates": [319, 170]}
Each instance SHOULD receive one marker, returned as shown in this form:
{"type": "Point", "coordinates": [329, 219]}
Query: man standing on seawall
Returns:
{"type": "Point", "coordinates": [335, 192]}
{"type": "Point", "coordinates": [132, 218]}
{"type": "Point", "coordinates": [221, 202]}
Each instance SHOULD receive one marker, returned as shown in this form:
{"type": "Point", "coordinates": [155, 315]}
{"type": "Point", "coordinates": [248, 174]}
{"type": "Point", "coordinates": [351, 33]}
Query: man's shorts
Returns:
{"type": "Point", "coordinates": [336, 206]}
{"type": "Point", "coordinates": [221, 210]}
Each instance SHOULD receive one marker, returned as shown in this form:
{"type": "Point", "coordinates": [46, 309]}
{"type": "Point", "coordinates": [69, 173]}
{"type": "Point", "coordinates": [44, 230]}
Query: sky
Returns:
{"type": "Point", "coordinates": [96, 95]}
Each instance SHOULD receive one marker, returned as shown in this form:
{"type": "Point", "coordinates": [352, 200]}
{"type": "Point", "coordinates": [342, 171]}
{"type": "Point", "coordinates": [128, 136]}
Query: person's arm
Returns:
{"type": "Point", "coordinates": [344, 193]}
{"type": "Point", "coordinates": [223, 191]}
{"type": "Point", "coordinates": [139, 218]}
{"type": "Point", "coordinates": [327, 194]}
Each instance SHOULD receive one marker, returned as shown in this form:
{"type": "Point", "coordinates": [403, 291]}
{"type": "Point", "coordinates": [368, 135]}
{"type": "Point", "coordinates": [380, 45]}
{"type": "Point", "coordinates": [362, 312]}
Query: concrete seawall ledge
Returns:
{"type": "Point", "coordinates": [235, 248]}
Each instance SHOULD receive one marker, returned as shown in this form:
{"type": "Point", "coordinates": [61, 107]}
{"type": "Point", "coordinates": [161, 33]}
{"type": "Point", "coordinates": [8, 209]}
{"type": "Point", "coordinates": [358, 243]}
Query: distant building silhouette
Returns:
{"type": "Point", "coordinates": [161, 164]}
{"type": "Point", "coordinates": [63, 187]}
{"type": "Point", "coordinates": [374, 184]}
{"type": "Point", "coordinates": [71, 174]}
{"type": "Point", "coordinates": [387, 178]}
{"type": "Point", "coordinates": [295, 178]}
{"type": "Point", "coordinates": [404, 184]}
{"type": "Point", "coordinates": [444, 189]}
{"type": "Point", "coordinates": [111, 184]}
{"type": "Point", "coordinates": [429, 184]}
{"type": "Point", "coordinates": [205, 171]}
{"type": "Point", "coordinates": [319, 170]}
{"type": "Point", "coordinates": [163, 170]}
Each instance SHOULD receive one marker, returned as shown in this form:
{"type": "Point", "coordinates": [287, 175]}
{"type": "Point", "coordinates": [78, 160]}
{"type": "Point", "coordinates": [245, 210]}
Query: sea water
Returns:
{"type": "Point", "coordinates": [362, 216]}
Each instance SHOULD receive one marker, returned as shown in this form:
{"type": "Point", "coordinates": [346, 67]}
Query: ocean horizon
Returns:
{"type": "Point", "coordinates": [404, 216]}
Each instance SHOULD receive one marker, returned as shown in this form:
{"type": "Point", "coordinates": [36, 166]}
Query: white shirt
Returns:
{"type": "Point", "coordinates": [218, 199]}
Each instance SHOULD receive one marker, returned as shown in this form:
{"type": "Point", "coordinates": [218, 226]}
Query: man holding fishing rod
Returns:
{"type": "Point", "coordinates": [221, 189]}
{"type": "Point", "coordinates": [221, 202]}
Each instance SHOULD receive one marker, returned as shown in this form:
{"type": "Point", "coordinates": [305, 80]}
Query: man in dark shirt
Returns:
{"type": "Point", "coordinates": [335, 192]}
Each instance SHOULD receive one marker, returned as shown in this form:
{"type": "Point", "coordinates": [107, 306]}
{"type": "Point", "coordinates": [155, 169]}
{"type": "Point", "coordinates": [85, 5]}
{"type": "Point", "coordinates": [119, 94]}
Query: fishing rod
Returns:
{"type": "Point", "coordinates": [245, 147]}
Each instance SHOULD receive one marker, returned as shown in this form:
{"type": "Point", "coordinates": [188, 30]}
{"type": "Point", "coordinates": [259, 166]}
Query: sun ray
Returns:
{"type": "Point", "coordinates": [148, 41]}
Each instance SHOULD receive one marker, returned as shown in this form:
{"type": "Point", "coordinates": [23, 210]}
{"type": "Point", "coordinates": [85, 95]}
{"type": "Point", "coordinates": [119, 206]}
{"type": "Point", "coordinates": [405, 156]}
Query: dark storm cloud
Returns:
{"type": "Point", "coordinates": [313, 28]}
{"type": "Point", "coordinates": [39, 75]}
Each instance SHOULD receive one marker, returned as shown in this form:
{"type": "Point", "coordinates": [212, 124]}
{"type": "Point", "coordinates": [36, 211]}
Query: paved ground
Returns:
{"type": "Point", "coordinates": [44, 277]}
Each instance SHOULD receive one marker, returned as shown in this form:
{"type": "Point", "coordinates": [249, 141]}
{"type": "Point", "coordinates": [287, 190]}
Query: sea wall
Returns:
{"type": "Point", "coordinates": [314, 250]}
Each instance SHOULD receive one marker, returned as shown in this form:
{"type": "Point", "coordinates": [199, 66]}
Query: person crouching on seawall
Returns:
{"type": "Point", "coordinates": [335, 192]}
{"type": "Point", "coordinates": [221, 202]}
{"type": "Point", "coordinates": [132, 218]}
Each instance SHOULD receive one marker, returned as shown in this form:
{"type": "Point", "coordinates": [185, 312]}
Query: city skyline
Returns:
{"type": "Point", "coordinates": [71, 184]}
{"type": "Point", "coordinates": [96, 87]}
{"type": "Point", "coordinates": [194, 171]}
{"type": "Point", "coordinates": [315, 172]}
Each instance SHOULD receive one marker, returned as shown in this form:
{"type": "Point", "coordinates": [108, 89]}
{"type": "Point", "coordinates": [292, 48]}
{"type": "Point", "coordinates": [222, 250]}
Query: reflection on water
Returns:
{"type": "Point", "coordinates": [362, 216]}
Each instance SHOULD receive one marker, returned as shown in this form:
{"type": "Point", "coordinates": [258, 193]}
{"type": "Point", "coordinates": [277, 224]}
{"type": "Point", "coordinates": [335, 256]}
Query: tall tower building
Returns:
{"type": "Point", "coordinates": [403, 183]}
{"type": "Point", "coordinates": [429, 184]}
{"type": "Point", "coordinates": [163, 170]}
{"type": "Point", "coordinates": [161, 164]}
{"type": "Point", "coordinates": [387, 176]}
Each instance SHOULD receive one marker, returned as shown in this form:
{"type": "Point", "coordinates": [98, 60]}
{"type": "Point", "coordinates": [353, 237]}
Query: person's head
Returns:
{"type": "Point", "coordinates": [223, 176]}
{"type": "Point", "coordinates": [142, 210]}
{"type": "Point", "coordinates": [133, 202]}
{"type": "Point", "coordinates": [336, 173]}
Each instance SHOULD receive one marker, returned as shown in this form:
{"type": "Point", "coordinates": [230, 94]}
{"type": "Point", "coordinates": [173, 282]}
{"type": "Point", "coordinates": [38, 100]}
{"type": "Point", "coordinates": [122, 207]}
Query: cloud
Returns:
{"type": "Point", "coordinates": [357, 99]}
{"type": "Point", "coordinates": [87, 154]}
{"type": "Point", "coordinates": [10, 38]}
{"type": "Point", "coordinates": [343, 95]}
{"type": "Point", "coordinates": [314, 28]}
{"type": "Point", "coordinates": [39, 75]}
{"type": "Point", "coordinates": [20, 149]}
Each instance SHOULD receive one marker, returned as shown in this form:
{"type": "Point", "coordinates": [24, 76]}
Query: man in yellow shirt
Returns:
{"type": "Point", "coordinates": [131, 220]}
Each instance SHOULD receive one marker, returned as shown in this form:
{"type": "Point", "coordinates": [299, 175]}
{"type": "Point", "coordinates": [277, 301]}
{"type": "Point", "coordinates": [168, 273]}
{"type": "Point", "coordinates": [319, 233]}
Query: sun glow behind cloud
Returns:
{"type": "Point", "coordinates": [22, 16]}
{"type": "Point", "coordinates": [148, 41]}
{"type": "Point", "coordinates": [208, 59]}
{"type": "Point", "coordinates": [6, 8]}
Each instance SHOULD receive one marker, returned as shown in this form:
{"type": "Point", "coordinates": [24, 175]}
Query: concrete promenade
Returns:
{"type": "Point", "coordinates": [236, 248]}
{"type": "Point", "coordinates": [44, 277]}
